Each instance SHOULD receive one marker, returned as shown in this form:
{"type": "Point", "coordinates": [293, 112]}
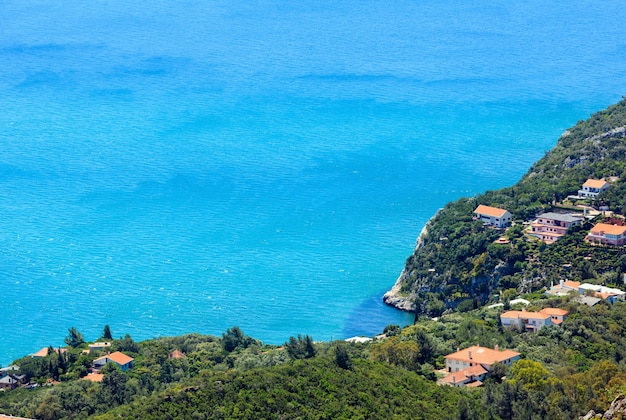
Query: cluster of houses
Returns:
{"type": "Point", "coordinates": [550, 227]}
{"type": "Point", "coordinates": [10, 379]}
{"type": "Point", "coordinates": [597, 291]}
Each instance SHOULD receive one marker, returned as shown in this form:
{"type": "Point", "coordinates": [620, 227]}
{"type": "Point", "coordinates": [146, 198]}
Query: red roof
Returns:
{"type": "Point", "coordinates": [490, 211]}
{"type": "Point", "coordinates": [554, 311]}
{"type": "Point", "coordinates": [524, 315]}
{"type": "Point", "coordinates": [94, 377]}
{"type": "Point", "coordinates": [603, 229]}
{"type": "Point", "coordinates": [595, 183]}
{"type": "Point", "coordinates": [117, 357]}
{"type": "Point", "coordinates": [482, 355]}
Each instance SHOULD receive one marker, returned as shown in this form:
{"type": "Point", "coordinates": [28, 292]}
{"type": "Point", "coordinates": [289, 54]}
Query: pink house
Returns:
{"type": "Point", "coordinates": [603, 233]}
{"type": "Point", "coordinates": [550, 227]}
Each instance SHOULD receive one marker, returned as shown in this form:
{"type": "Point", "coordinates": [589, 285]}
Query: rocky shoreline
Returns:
{"type": "Point", "coordinates": [394, 297]}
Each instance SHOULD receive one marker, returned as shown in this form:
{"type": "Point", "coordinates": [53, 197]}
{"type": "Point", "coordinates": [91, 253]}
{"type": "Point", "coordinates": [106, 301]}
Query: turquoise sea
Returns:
{"type": "Point", "coordinates": [173, 167]}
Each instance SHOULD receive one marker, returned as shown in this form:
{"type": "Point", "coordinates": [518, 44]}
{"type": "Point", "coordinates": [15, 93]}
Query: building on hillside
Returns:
{"type": "Point", "coordinates": [99, 346]}
{"type": "Point", "coordinates": [45, 351]}
{"type": "Point", "coordinates": [606, 293]}
{"type": "Point", "coordinates": [525, 320]}
{"type": "Point", "coordinates": [592, 187]}
{"type": "Point", "coordinates": [123, 361]}
{"type": "Point", "coordinates": [550, 227]}
{"type": "Point", "coordinates": [469, 367]}
{"type": "Point", "coordinates": [177, 354]}
{"type": "Point", "coordinates": [493, 216]}
{"type": "Point", "coordinates": [558, 315]}
{"type": "Point", "coordinates": [564, 288]}
{"type": "Point", "coordinates": [533, 321]}
{"type": "Point", "coordinates": [606, 234]}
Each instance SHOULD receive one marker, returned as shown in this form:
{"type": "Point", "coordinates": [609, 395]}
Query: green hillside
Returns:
{"type": "Point", "coordinates": [457, 261]}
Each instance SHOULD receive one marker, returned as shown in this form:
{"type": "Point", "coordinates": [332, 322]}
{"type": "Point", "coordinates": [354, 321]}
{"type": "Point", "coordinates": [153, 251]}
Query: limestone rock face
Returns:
{"type": "Point", "coordinates": [616, 411]}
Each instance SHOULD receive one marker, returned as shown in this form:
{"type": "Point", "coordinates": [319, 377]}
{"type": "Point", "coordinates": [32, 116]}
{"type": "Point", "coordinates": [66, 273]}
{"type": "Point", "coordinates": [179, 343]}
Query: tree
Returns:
{"type": "Point", "coordinates": [74, 338]}
{"type": "Point", "coordinates": [127, 344]}
{"type": "Point", "coordinates": [106, 333]}
{"type": "Point", "coordinates": [301, 347]}
{"type": "Point", "coordinates": [234, 338]}
{"type": "Point", "coordinates": [342, 358]}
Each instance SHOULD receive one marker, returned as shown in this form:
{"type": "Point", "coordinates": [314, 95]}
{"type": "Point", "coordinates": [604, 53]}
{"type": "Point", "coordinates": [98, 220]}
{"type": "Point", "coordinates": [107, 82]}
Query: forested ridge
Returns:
{"type": "Point", "coordinates": [457, 261]}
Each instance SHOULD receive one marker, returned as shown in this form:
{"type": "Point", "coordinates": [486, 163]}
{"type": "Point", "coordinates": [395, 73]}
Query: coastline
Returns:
{"type": "Point", "coordinates": [393, 297]}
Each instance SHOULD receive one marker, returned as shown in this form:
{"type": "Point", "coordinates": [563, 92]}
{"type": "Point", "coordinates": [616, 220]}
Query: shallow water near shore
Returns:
{"type": "Point", "coordinates": [170, 169]}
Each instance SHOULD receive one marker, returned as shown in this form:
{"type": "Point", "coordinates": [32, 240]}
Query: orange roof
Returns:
{"type": "Point", "coordinates": [474, 384]}
{"type": "Point", "coordinates": [595, 183]}
{"type": "Point", "coordinates": [94, 377]}
{"type": "Point", "coordinates": [41, 353]}
{"type": "Point", "coordinates": [177, 354]}
{"type": "Point", "coordinates": [461, 375]}
{"type": "Point", "coordinates": [554, 311]}
{"type": "Point", "coordinates": [524, 315]}
{"type": "Point", "coordinates": [603, 228]}
{"type": "Point", "coordinates": [482, 355]}
{"type": "Point", "coordinates": [490, 211]}
{"type": "Point", "coordinates": [571, 284]}
{"type": "Point", "coordinates": [117, 357]}
{"type": "Point", "coordinates": [557, 321]}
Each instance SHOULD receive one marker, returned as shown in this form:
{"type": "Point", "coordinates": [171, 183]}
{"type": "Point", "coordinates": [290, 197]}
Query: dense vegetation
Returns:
{"type": "Point", "coordinates": [564, 372]}
{"type": "Point", "coordinates": [457, 261]}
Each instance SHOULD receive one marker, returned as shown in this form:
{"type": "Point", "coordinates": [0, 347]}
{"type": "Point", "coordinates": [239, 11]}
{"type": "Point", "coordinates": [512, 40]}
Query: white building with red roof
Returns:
{"type": "Point", "coordinates": [533, 321]}
{"type": "Point", "coordinates": [592, 187]}
{"type": "Point", "coordinates": [470, 366]}
{"type": "Point", "coordinates": [123, 361]}
{"type": "Point", "coordinates": [493, 216]}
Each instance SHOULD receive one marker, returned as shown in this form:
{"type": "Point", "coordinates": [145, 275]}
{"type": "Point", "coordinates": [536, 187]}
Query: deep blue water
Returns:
{"type": "Point", "coordinates": [186, 167]}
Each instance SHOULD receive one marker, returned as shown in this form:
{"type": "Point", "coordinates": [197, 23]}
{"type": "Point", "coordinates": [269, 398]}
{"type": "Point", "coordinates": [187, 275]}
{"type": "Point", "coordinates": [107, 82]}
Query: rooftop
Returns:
{"type": "Point", "coordinates": [595, 183]}
{"type": "Point", "coordinates": [490, 211]}
{"type": "Point", "coordinates": [561, 217]}
{"type": "Point", "coordinates": [483, 355]}
{"type": "Point", "coordinates": [603, 228]}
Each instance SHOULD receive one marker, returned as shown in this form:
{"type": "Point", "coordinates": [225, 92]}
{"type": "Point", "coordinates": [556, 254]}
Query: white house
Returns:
{"type": "Point", "coordinates": [592, 187]}
{"type": "Point", "coordinates": [493, 216]}
{"type": "Point", "coordinates": [123, 361]}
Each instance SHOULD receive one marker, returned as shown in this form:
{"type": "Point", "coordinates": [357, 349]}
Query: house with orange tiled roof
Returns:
{"type": "Point", "coordinates": [592, 187]}
{"type": "Point", "coordinates": [558, 315]}
{"type": "Point", "coordinates": [526, 320]}
{"type": "Point", "coordinates": [468, 366]}
{"type": "Point", "coordinates": [493, 216]}
{"type": "Point", "coordinates": [606, 234]}
{"type": "Point", "coordinates": [123, 361]}
{"type": "Point", "coordinates": [609, 294]}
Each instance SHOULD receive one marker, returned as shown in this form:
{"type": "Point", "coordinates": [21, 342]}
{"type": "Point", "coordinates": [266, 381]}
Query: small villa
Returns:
{"type": "Point", "coordinates": [550, 227]}
{"type": "Point", "coordinates": [120, 359]}
{"type": "Point", "coordinates": [606, 234]}
{"type": "Point", "coordinates": [533, 321]}
{"type": "Point", "coordinates": [470, 366]}
{"type": "Point", "coordinates": [99, 346]}
{"type": "Point", "coordinates": [609, 294]}
{"type": "Point", "coordinates": [493, 216]}
{"type": "Point", "coordinates": [592, 187]}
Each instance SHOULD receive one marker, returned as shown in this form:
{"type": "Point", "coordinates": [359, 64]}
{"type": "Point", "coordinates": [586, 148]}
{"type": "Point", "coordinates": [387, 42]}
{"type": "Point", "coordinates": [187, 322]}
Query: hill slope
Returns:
{"type": "Point", "coordinates": [456, 259]}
